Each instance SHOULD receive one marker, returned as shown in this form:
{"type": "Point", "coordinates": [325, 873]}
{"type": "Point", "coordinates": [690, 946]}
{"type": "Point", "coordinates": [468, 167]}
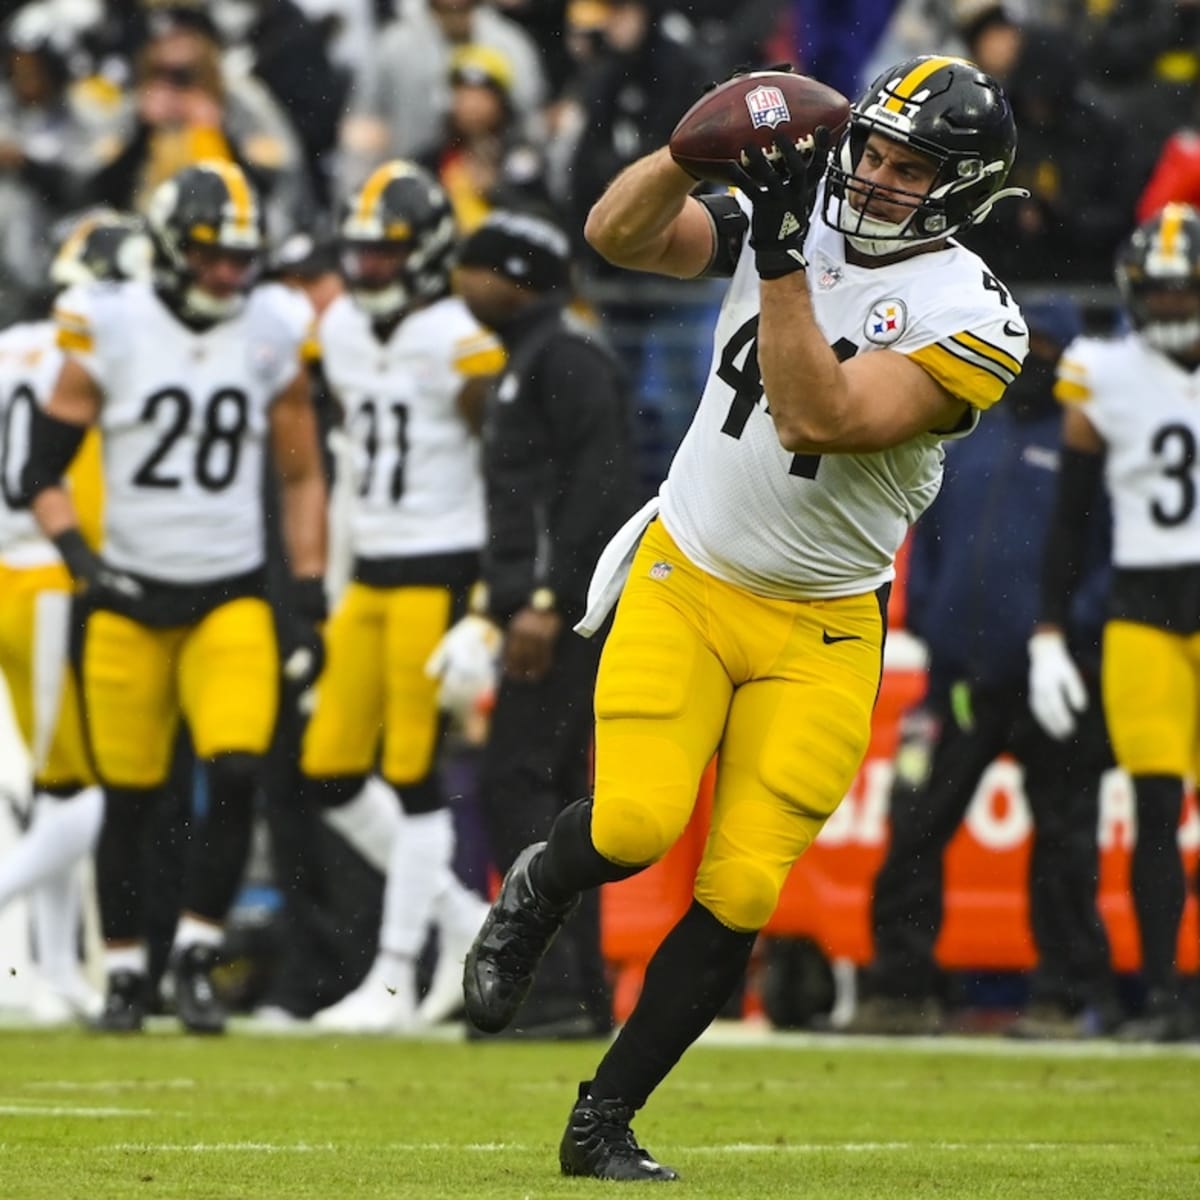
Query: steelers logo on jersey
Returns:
{"type": "Point", "coordinates": [886, 322]}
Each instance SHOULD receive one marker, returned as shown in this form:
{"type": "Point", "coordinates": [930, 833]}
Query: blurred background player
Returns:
{"type": "Point", "coordinates": [35, 591]}
{"type": "Point", "coordinates": [557, 467]}
{"type": "Point", "coordinates": [408, 364]}
{"type": "Point", "coordinates": [188, 379]}
{"type": "Point", "coordinates": [973, 576]}
{"type": "Point", "coordinates": [1130, 418]}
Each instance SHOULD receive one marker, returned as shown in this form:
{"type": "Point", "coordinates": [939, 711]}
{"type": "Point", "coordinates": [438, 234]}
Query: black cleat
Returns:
{"type": "Point", "coordinates": [599, 1144]}
{"type": "Point", "coordinates": [196, 1001]}
{"type": "Point", "coordinates": [499, 967]}
{"type": "Point", "coordinates": [124, 1008]}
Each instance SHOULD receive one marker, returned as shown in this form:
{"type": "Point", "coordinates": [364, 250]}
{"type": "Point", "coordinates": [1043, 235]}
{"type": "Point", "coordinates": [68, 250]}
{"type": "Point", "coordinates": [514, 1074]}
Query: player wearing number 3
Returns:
{"type": "Point", "coordinates": [751, 621]}
{"type": "Point", "coordinates": [187, 377]}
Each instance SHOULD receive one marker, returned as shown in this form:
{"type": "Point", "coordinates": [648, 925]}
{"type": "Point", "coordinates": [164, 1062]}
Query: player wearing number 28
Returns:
{"type": "Point", "coordinates": [187, 377]}
{"type": "Point", "coordinates": [850, 345]}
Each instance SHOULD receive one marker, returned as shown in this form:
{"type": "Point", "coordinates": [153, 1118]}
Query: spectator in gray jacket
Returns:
{"type": "Point", "coordinates": [401, 95]}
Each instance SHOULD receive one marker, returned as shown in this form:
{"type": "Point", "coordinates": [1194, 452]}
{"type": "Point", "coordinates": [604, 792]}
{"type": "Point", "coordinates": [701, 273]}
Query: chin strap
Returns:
{"type": "Point", "coordinates": [1015, 193]}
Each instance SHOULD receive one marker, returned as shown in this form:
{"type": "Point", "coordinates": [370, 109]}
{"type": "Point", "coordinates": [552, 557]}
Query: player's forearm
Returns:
{"type": "Point", "coordinates": [633, 217]}
{"type": "Point", "coordinates": [802, 379]}
{"type": "Point", "coordinates": [54, 511]}
{"type": "Point", "coordinates": [304, 524]}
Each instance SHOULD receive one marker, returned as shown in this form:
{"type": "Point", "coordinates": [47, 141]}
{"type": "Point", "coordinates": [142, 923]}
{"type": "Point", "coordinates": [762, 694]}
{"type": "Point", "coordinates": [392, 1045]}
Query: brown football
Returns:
{"type": "Point", "coordinates": [751, 110]}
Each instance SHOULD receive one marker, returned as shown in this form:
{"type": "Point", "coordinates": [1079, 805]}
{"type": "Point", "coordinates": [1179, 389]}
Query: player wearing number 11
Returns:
{"type": "Point", "coordinates": [187, 377]}
{"type": "Point", "coordinates": [751, 622]}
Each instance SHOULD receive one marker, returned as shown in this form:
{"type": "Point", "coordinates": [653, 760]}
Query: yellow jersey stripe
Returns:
{"type": "Point", "coordinates": [977, 386]}
{"type": "Point", "coordinates": [73, 341]}
{"type": "Point", "coordinates": [64, 316]}
{"type": "Point", "coordinates": [1067, 391]}
{"type": "Point", "coordinates": [997, 354]}
{"type": "Point", "coordinates": [489, 361]}
{"type": "Point", "coordinates": [85, 478]}
{"type": "Point", "coordinates": [1168, 230]}
{"type": "Point", "coordinates": [912, 81]}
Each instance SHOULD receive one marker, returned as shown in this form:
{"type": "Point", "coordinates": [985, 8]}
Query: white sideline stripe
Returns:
{"type": "Point", "coordinates": [108, 1085]}
{"type": "Point", "coordinates": [73, 1110]}
{"type": "Point", "coordinates": [522, 1148]}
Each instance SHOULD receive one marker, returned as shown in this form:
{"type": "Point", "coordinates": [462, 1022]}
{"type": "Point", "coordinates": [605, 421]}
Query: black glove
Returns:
{"type": "Point", "coordinates": [301, 646]}
{"type": "Point", "coordinates": [783, 193]}
{"type": "Point", "coordinates": [100, 581]}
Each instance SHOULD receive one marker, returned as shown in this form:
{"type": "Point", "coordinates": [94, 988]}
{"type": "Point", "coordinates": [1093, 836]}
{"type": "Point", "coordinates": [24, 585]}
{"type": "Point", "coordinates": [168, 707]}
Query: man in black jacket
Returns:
{"type": "Point", "coordinates": [557, 471]}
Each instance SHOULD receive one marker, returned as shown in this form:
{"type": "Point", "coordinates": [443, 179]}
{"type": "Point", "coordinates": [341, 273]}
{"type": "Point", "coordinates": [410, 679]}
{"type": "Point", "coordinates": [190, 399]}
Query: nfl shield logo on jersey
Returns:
{"type": "Point", "coordinates": [886, 322]}
{"type": "Point", "coordinates": [767, 107]}
{"type": "Point", "coordinates": [661, 570]}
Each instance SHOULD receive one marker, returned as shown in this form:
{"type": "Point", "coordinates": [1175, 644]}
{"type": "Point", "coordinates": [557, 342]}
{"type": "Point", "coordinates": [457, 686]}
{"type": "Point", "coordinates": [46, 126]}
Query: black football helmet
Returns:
{"type": "Point", "coordinates": [400, 207]}
{"type": "Point", "coordinates": [209, 204]}
{"type": "Point", "coordinates": [1162, 256]}
{"type": "Point", "coordinates": [101, 246]}
{"type": "Point", "coordinates": [948, 110]}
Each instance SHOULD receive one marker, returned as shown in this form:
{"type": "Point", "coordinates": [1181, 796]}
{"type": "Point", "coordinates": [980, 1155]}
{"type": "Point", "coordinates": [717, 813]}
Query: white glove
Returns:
{"type": "Point", "coordinates": [466, 661]}
{"type": "Point", "coordinates": [1056, 689]}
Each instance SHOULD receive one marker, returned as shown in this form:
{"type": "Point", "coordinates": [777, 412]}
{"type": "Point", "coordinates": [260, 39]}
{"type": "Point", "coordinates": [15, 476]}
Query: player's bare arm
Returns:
{"type": "Point", "coordinates": [297, 455]}
{"type": "Point", "coordinates": [821, 406]}
{"type": "Point", "coordinates": [648, 220]}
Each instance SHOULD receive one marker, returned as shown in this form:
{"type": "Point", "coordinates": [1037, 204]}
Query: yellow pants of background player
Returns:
{"type": "Point", "coordinates": [695, 666]}
{"type": "Point", "coordinates": [1151, 684]}
{"type": "Point", "coordinates": [374, 685]}
{"type": "Point", "coordinates": [34, 633]}
{"type": "Point", "coordinates": [221, 674]}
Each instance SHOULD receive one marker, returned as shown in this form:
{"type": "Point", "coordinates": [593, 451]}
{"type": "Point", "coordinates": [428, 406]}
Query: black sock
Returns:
{"type": "Point", "coordinates": [570, 863]}
{"type": "Point", "coordinates": [219, 842]}
{"type": "Point", "coordinates": [121, 862]}
{"type": "Point", "coordinates": [688, 980]}
{"type": "Point", "coordinates": [1157, 880]}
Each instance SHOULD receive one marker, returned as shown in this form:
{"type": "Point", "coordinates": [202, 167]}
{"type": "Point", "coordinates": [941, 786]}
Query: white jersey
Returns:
{"type": "Point", "coordinates": [29, 364]}
{"type": "Point", "coordinates": [418, 488]}
{"type": "Point", "coordinates": [184, 423]}
{"type": "Point", "coordinates": [809, 526]}
{"type": "Point", "coordinates": [1147, 410]}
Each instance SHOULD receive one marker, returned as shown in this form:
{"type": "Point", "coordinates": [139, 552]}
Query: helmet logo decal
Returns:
{"type": "Point", "coordinates": [886, 322]}
{"type": "Point", "coordinates": [767, 107]}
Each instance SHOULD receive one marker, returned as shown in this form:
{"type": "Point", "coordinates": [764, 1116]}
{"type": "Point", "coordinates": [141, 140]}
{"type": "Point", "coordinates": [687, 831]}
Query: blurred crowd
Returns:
{"type": "Point", "coordinates": [537, 103]}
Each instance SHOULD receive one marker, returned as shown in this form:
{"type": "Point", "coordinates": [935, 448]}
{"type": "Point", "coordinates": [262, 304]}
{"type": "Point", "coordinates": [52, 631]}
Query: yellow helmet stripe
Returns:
{"type": "Point", "coordinates": [373, 188]}
{"type": "Point", "coordinates": [239, 192]}
{"type": "Point", "coordinates": [912, 81]}
{"type": "Point", "coordinates": [1168, 230]}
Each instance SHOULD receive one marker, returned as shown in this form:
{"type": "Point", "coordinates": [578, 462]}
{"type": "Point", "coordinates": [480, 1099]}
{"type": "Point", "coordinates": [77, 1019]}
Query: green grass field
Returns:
{"type": "Point", "coordinates": [743, 1116]}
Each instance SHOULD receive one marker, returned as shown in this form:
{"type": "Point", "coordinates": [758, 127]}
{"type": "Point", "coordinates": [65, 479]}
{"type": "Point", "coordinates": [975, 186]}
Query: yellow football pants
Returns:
{"type": "Point", "coordinates": [34, 633]}
{"type": "Point", "coordinates": [781, 691]}
{"type": "Point", "coordinates": [221, 674]}
{"type": "Point", "coordinates": [374, 687]}
{"type": "Point", "coordinates": [1150, 680]}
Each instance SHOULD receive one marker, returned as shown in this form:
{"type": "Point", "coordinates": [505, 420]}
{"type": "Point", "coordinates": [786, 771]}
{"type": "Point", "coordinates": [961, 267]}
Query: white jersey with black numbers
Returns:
{"type": "Point", "coordinates": [29, 364]}
{"type": "Point", "coordinates": [816, 526]}
{"type": "Point", "coordinates": [184, 423]}
{"type": "Point", "coordinates": [417, 487]}
{"type": "Point", "coordinates": [1147, 410]}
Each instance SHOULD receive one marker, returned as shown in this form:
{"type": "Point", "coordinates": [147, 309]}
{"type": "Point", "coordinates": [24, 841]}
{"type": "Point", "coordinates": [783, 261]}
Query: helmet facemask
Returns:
{"type": "Point", "coordinates": [952, 115]}
{"type": "Point", "coordinates": [1158, 274]}
{"type": "Point", "coordinates": [402, 211]}
{"type": "Point", "coordinates": [205, 209]}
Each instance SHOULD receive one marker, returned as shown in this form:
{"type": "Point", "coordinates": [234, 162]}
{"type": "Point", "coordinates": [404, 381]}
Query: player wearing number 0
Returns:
{"type": "Point", "coordinates": [187, 378]}
{"type": "Point", "coordinates": [35, 601]}
{"type": "Point", "coordinates": [1131, 418]}
{"type": "Point", "coordinates": [409, 365]}
{"type": "Point", "coordinates": [751, 621]}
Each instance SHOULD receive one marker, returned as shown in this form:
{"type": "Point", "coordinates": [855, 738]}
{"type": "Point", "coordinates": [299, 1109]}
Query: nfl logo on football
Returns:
{"type": "Point", "coordinates": [661, 570]}
{"type": "Point", "coordinates": [767, 107]}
